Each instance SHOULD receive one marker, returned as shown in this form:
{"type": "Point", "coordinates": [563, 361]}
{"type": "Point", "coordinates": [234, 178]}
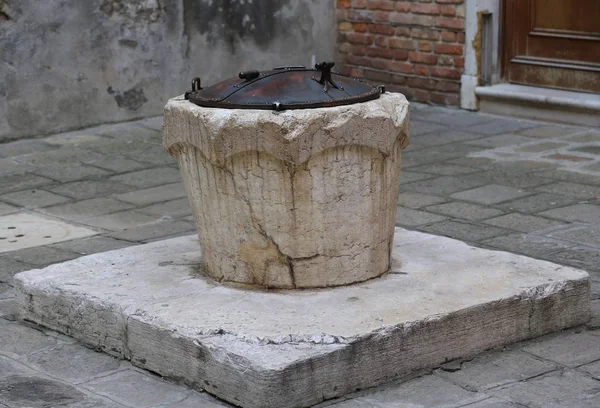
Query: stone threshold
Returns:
{"type": "Point", "coordinates": [547, 104]}
{"type": "Point", "coordinates": [442, 300]}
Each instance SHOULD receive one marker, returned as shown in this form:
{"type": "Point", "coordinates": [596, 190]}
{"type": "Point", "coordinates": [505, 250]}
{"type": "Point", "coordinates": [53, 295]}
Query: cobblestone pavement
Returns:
{"type": "Point", "coordinates": [525, 187]}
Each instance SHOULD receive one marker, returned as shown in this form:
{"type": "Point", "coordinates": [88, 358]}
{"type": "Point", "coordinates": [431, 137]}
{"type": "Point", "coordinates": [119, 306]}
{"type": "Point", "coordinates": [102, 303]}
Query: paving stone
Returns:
{"type": "Point", "coordinates": [198, 400]}
{"type": "Point", "coordinates": [495, 369]}
{"type": "Point", "coordinates": [8, 310]}
{"type": "Point", "coordinates": [465, 231]}
{"type": "Point", "coordinates": [42, 255]}
{"type": "Point", "coordinates": [563, 175]}
{"type": "Point", "coordinates": [152, 123]}
{"type": "Point", "coordinates": [508, 139]}
{"type": "Point", "coordinates": [580, 191]}
{"type": "Point", "coordinates": [154, 194]}
{"type": "Point", "coordinates": [155, 230]}
{"type": "Point", "coordinates": [580, 256]}
{"type": "Point", "coordinates": [65, 157]}
{"type": "Point", "coordinates": [540, 147]}
{"type": "Point", "coordinates": [491, 403]}
{"type": "Point", "coordinates": [23, 147]}
{"type": "Point", "coordinates": [467, 211]}
{"type": "Point", "coordinates": [442, 186]}
{"type": "Point", "coordinates": [418, 127]}
{"type": "Point", "coordinates": [18, 182]}
{"type": "Point", "coordinates": [410, 176]}
{"type": "Point", "coordinates": [154, 157]}
{"type": "Point", "coordinates": [130, 131]}
{"type": "Point", "coordinates": [418, 200]}
{"type": "Point", "coordinates": [590, 135]}
{"type": "Point", "coordinates": [522, 223]}
{"type": "Point", "coordinates": [73, 139]}
{"type": "Point", "coordinates": [12, 167]}
{"type": "Point", "coordinates": [579, 212]}
{"type": "Point", "coordinates": [428, 391]}
{"type": "Point", "coordinates": [581, 234]}
{"type": "Point", "coordinates": [445, 169]}
{"type": "Point", "coordinates": [459, 119]}
{"type": "Point", "coordinates": [490, 194]}
{"type": "Point", "coordinates": [592, 369]}
{"type": "Point", "coordinates": [92, 245]}
{"type": "Point", "coordinates": [436, 154]}
{"type": "Point", "coordinates": [550, 131]}
{"type": "Point", "coordinates": [594, 322]}
{"type": "Point", "coordinates": [538, 202]}
{"type": "Point", "coordinates": [571, 350]}
{"type": "Point", "coordinates": [82, 190]}
{"type": "Point", "coordinates": [498, 126]}
{"type": "Point", "coordinates": [589, 149]}
{"type": "Point", "coordinates": [526, 244]}
{"type": "Point", "coordinates": [408, 217]}
{"type": "Point", "coordinates": [9, 267]}
{"type": "Point", "coordinates": [149, 177]}
{"type": "Point", "coordinates": [543, 391]}
{"type": "Point", "coordinates": [87, 208]}
{"type": "Point", "coordinates": [33, 392]}
{"type": "Point", "coordinates": [175, 208]}
{"type": "Point", "coordinates": [135, 389]}
{"type": "Point", "coordinates": [7, 208]}
{"type": "Point", "coordinates": [18, 341]}
{"type": "Point", "coordinates": [592, 167]}
{"type": "Point", "coordinates": [34, 198]}
{"type": "Point", "coordinates": [119, 221]}
{"type": "Point", "coordinates": [94, 402]}
{"type": "Point", "coordinates": [120, 165]}
{"type": "Point", "coordinates": [442, 138]}
{"type": "Point", "coordinates": [72, 362]}
{"type": "Point", "coordinates": [518, 180]}
{"type": "Point", "coordinates": [584, 401]}
{"type": "Point", "coordinates": [10, 367]}
{"type": "Point", "coordinates": [6, 291]}
{"type": "Point", "coordinates": [71, 172]}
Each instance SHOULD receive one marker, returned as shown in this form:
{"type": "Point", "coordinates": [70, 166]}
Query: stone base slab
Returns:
{"type": "Point", "coordinates": [442, 300]}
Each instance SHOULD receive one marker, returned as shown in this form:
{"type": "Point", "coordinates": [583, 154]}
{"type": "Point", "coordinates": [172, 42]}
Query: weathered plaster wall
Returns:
{"type": "Point", "coordinates": [67, 64]}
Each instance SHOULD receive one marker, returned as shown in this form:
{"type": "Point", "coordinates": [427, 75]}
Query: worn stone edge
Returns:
{"type": "Point", "coordinates": [229, 367]}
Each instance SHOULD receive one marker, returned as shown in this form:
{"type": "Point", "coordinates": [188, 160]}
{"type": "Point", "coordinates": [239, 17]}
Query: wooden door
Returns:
{"type": "Point", "coordinates": [553, 43]}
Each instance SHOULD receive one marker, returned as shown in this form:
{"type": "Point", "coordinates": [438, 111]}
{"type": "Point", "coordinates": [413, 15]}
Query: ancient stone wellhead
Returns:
{"type": "Point", "coordinates": [284, 196]}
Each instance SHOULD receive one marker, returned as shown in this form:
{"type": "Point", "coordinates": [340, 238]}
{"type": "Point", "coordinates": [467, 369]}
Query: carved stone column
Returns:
{"type": "Point", "coordinates": [293, 199]}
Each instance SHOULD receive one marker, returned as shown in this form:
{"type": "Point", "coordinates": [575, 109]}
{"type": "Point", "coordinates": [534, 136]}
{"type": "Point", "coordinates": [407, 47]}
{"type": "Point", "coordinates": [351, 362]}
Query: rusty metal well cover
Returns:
{"type": "Point", "coordinates": [288, 87]}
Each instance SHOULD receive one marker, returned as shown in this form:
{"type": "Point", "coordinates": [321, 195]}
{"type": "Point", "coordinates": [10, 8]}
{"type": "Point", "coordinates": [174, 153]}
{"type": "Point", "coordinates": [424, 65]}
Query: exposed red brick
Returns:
{"type": "Point", "coordinates": [401, 55]}
{"type": "Point", "coordinates": [457, 23]}
{"type": "Point", "coordinates": [448, 73]}
{"type": "Point", "coordinates": [461, 38]}
{"type": "Point", "coordinates": [381, 5]}
{"type": "Point", "coordinates": [360, 27]}
{"type": "Point", "coordinates": [450, 1]}
{"type": "Point", "coordinates": [357, 72]}
{"type": "Point", "coordinates": [345, 26]}
{"type": "Point", "coordinates": [359, 4]}
{"type": "Point", "coordinates": [398, 66]}
{"type": "Point", "coordinates": [420, 95]}
{"type": "Point", "coordinates": [403, 31]}
{"type": "Point", "coordinates": [357, 15]}
{"type": "Point", "coordinates": [380, 52]}
{"type": "Point", "coordinates": [359, 49]}
{"type": "Point", "coordinates": [447, 86]}
{"type": "Point", "coordinates": [381, 29]}
{"type": "Point", "coordinates": [445, 60]}
{"type": "Point", "coordinates": [345, 70]}
{"type": "Point", "coordinates": [454, 49]}
{"type": "Point", "coordinates": [343, 3]}
{"type": "Point", "coordinates": [430, 59]}
{"type": "Point", "coordinates": [344, 48]}
{"type": "Point", "coordinates": [423, 83]}
{"type": "Point", "coordinates": [403, 6]}
{"type": "Point", "coordinates": [420, 8]}
{"type": "Point", "coordinates": [380, 15]}
{"type": "Point", "coordinates": [448, 36]}
{"type": "Point", "coordinates": [357, 60]}
{"type": "Point", "coordinates": [448, 11]}
{"type": "Point", "coordinates": [422, 20]}
{"type": "Point", "coordinates": [459, 62]}
{"type": "Point", "coordinates": [444, 99]}
{"type": "Point", "coordinates": [378, 76]}
{"type": "Point", "coordinates": [402, 44]}
{"type": "Point", "coordinates": [359, 39]}
{"type": "Point", "coordinates": [341, 14]}
{"type": "Point", "coordinates": [381, 41]}
{"type": "Point", "coordinates": [424, 46]}
{"type": "Point", "coordinates": [401, 18]}
{"type": "Point", "coordinates": [424, 34]}
{"type": "Point", "coordinates": [398, 79]}
{"type": "Point", "coordinates": [422, 70]}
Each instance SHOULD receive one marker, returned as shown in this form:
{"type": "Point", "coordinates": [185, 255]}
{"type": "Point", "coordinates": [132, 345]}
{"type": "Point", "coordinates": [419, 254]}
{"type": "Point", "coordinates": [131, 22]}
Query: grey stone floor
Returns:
{"type": "Point", "coordinates": [525, 187]}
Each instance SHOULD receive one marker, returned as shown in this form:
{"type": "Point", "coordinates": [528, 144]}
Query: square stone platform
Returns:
{"type": "Point", "coordinates": [442, 300]}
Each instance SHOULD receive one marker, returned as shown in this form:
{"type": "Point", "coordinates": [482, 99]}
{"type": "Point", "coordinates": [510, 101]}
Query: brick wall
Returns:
{"type": "Point", "coordinates": [415, 47]}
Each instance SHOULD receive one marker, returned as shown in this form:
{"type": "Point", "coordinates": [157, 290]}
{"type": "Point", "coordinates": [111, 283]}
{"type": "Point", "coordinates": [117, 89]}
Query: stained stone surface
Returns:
{"type": "Point", "coordinates": [288, 199]}
{"type": "Point", "coordinates": [442, 300]}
